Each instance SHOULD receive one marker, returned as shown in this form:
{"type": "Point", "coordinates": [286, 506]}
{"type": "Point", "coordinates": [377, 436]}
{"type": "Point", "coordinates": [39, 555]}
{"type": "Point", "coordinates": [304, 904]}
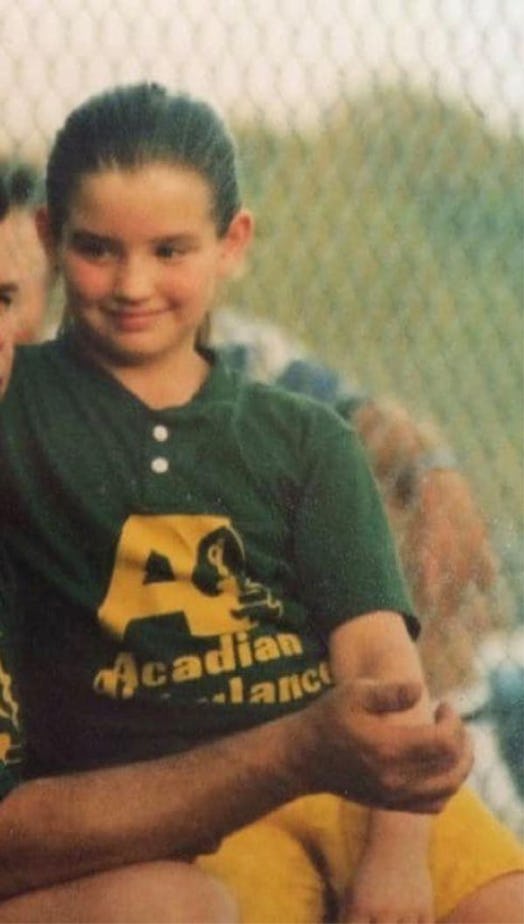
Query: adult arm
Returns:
{"type": "Point", "coordinates": [57, 829]}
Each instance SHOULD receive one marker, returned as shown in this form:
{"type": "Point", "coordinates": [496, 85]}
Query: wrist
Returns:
{"type": "Point", "coordinates": [389, 830]}
{"type": "Point", "coordinates": [301, 751]}
{"type": "Point", "coordinates": [319, 729]}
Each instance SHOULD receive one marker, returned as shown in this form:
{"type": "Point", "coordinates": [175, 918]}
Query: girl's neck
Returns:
{"type": "Point", "coordinates": [170, 385]}
{"type": "Point", "coordinates": [165, 381]}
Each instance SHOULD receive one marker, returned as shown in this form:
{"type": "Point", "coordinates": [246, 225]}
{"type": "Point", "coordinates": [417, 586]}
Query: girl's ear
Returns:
{"type": "Point", "coordinates": [236, 241]}
{"type": "Point", "coordinates": [43, 227]}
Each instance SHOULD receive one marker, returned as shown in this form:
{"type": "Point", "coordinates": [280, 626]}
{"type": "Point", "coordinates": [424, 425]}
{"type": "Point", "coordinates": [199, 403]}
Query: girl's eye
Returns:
{"type": "Point", "coordinates": [95, 250]}
{"type": "Point", "coordinates": [7, 300]}
{"type": "Point", "coordinates": [170, 251]}
{"type": "Point", "coordinates": [92, 248]}
{"type": "Point", "coordinates": [165, 251]}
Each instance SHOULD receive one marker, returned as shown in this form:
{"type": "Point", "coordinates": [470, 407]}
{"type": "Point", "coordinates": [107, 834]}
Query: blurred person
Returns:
{"type": "Point", "coordinates": [161, 630]}
{"type": "Point", "coordinates": [22, 192]}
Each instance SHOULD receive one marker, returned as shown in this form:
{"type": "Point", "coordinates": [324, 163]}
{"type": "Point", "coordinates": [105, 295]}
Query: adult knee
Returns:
{"type": "Point", "coordinates": [168, 892]}
{"type": "Point", "coordinates": [501, 900]}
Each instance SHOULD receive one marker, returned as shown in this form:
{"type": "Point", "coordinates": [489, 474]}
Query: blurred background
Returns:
{"type": "Point", "coordinates": [382, 150]}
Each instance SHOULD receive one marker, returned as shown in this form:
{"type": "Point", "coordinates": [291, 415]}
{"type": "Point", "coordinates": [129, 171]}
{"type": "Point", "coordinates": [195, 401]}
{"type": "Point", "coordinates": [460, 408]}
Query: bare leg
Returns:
{"type": "Point", "coordinates": [498, 902]}
{"type": "Point", "coordinates": [166, 892]}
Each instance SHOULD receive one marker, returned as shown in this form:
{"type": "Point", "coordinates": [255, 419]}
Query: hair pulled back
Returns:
{"type": "Point", "coordinates": [131, 126]}
{"type": "Point", "coordinates": [21, 187]}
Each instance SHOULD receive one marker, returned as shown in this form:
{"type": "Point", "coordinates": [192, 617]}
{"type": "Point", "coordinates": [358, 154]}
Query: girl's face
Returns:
{"type": "Point", "coordinates": [141, 260]}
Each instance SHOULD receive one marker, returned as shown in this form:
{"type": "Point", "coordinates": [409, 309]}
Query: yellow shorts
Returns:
{"type": "Point", "coordinates": [293, 865]}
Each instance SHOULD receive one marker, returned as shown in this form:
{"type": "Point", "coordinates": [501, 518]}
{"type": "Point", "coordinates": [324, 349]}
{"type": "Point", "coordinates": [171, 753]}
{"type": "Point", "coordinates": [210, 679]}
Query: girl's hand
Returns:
{"type": "Point", "coordinates": [389, 890]}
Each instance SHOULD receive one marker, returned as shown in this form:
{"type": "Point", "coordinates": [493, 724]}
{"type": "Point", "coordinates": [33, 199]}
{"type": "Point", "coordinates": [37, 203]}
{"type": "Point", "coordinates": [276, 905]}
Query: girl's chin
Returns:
{"type": "Point", "coordinates": [108, 347]}
{"type": "Point", "coordinates": [131, 348]}
{"type": "Point", "coordinates": [130, 323]}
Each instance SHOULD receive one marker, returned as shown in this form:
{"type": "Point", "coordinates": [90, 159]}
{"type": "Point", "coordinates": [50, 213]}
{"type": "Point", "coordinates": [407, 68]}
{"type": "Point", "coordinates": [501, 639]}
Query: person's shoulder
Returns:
{"type": "Point", "coordinates": [33, 355]}
{"type": "Point", "coordinates": [32, 359]}
{"type": "Point", "coordinates": [274, 406]}
{"type": "Point", "coordinates": [271, 396]}
{"type": "Point", "coordinates": [35, 375]}
{"type": "Point", "coordinates": [266, 352]}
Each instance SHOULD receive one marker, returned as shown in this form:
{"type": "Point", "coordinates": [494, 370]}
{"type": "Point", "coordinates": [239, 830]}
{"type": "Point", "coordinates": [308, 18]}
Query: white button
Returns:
{"type": "Point", "coordinates": [159, 465]}
{"type": "Point", "coordinates": [160, 433]}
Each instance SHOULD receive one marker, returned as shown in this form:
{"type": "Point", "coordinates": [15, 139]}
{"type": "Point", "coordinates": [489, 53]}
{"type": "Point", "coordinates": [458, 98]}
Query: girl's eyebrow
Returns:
{"type": "Point", "coordinates": [182, 237]}
{"type": "Point", "coordinates": [80, 235]}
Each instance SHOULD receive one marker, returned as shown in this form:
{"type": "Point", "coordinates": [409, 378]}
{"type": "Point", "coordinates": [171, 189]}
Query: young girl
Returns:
{"type": "Point", "coordinates": [199, 554]}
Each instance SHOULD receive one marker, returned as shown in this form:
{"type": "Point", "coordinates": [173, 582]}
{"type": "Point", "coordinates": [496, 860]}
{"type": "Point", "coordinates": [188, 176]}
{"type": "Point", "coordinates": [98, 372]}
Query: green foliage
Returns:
{"type": "Point", "coordinates": [390, 239]}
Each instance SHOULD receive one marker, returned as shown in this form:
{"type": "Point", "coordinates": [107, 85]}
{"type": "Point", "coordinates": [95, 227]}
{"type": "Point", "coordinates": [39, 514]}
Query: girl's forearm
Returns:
{"type": "Point", "coordinates": [378, 648]}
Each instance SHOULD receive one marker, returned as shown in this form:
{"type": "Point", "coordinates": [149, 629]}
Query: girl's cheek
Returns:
{"type": "Point", "coordinates": [85, 280]}
{"type": "Point", "coordinates": [177, 284]}
{"type": "Point", "coordinates": [192, 281]}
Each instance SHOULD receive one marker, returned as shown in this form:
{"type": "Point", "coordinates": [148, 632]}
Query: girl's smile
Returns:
{"type": "Point", "coordinates": [133, 319]}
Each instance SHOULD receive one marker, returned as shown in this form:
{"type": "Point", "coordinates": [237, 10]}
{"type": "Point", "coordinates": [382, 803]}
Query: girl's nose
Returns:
{"type": "Point", "coordinates": [133, 280]}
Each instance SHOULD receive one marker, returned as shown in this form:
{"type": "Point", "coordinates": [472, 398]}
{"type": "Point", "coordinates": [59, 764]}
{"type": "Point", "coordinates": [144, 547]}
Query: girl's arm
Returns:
{"type": "Point", "coordinates": [392, 881]}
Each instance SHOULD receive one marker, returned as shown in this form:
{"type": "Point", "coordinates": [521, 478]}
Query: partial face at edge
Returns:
{"type": "Point", "coordinates": [7, 338]}
{"type": "Point", "coordinates": [10, 292]}
{"type": "Point", "coordinates": [7, 329]}
{"type": "Point", "coordinates": [25, 262]}
{"type": "Point", "coordinates": [142, 260]}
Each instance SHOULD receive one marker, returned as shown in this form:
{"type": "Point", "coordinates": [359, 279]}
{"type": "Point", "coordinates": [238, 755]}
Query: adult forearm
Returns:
{"type": "Point", "coordinates": [60, 828]}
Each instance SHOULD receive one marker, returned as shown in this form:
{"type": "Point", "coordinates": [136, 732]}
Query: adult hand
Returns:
{"type": "Point", "coordinates": [357, 751]}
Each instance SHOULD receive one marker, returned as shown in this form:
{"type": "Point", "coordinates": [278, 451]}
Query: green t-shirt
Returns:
{"type": "Point", "coordinates": [180, 570]}
{"type": "Point", "coordinates": [10, 738]}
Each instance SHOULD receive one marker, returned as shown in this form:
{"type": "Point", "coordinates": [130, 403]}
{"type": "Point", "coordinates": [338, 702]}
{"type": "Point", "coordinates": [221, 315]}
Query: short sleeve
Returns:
{"type": "Point", "coordinates": [345, 554]}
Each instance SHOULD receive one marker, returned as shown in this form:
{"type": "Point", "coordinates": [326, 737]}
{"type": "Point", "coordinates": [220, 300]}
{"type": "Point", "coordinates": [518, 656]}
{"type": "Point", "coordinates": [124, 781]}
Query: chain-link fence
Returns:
{"type": "Point", "coordinates": [383, 156]}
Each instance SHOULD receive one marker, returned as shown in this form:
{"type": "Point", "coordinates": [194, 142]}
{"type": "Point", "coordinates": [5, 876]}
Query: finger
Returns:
{"type": "Point", "coordinates": [434, 757]}
{"type": "Point", "coordinates": [448, 720]}
{"type": "Point", "coordinates": [430, 802]}
{"type": "Point", "coordinates": [424, 806]}
{"type": "Point", "coordinates": [430, 795]}
{"type": "Point", "coordinates": [380, 698]}
{"type": "Point", "coordinates": [426, 751]}
{"type": "Point", "coordinates": [440, 745]}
